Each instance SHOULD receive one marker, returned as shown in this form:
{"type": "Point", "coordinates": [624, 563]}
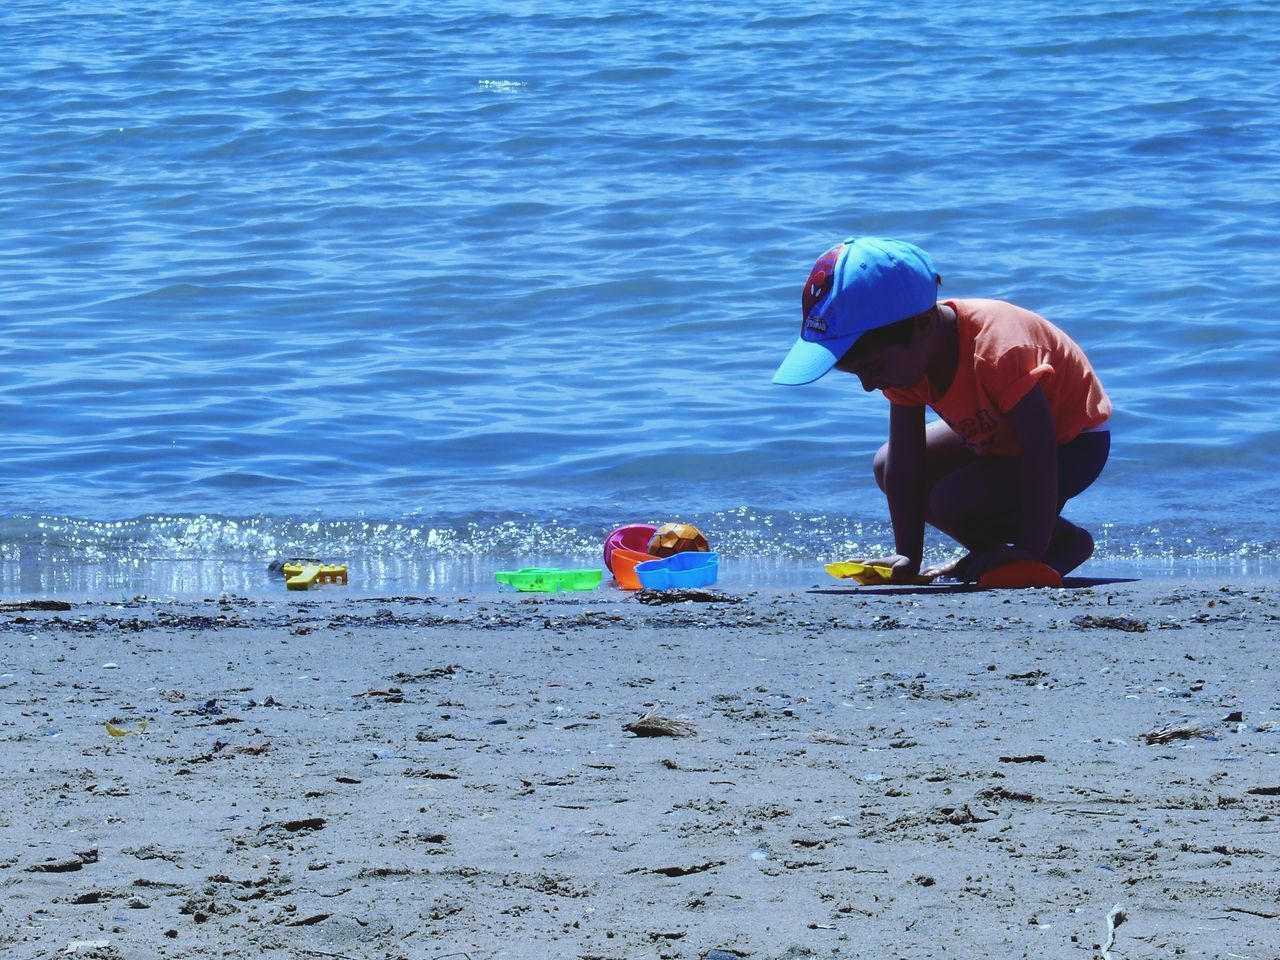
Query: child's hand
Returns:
{"type": "Point", "coordinates": [904, 568]}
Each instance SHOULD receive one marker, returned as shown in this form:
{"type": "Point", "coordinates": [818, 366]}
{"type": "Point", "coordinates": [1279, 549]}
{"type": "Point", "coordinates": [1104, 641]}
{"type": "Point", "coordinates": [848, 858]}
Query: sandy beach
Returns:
{"type": "Point", "coordinates": [922, 772]}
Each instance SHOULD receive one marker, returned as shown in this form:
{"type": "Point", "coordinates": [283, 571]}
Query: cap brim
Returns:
{"type": "Point", "coordinates": [809, 361]}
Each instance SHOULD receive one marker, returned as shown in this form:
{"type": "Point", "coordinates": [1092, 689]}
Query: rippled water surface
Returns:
{"type": "Point", "coordinates": [462, 283]}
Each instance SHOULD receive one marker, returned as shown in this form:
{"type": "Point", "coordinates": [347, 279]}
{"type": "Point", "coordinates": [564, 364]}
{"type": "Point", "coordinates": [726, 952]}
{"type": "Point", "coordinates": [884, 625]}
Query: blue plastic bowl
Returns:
{"type": "Point", "coordinates": [693, 568]}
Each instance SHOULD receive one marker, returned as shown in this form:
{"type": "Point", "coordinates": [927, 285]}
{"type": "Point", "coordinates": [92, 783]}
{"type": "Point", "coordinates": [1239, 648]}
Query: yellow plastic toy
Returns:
{"type": "Point", "coordinates": [125, 731]}
{"type": "Point", "coordinates": [868, 575]}
{"type": "Point", "coordinates": [304, 576]}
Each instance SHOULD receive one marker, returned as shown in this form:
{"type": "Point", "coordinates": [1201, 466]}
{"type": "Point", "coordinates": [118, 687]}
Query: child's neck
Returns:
{"type": "Point", "coordinates": [945, 355]}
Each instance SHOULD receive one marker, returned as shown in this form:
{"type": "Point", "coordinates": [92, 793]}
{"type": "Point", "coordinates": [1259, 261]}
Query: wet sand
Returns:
{"type": "Point", "coordinates": [914, 773]}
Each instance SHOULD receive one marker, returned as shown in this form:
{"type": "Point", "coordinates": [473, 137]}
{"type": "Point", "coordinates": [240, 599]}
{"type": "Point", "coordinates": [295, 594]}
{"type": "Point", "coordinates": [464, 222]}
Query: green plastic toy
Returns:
{"type": "Point", "coordinates": [549, 579]}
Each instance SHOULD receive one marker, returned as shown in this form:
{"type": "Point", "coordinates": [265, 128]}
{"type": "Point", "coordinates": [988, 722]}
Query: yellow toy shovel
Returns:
{"type": "Point", "coordinates": [869, 575]}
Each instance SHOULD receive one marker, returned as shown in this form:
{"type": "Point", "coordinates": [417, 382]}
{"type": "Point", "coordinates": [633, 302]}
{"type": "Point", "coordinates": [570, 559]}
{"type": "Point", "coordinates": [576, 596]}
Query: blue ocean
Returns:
{"type": "Point", "coordinates": [436, 289]}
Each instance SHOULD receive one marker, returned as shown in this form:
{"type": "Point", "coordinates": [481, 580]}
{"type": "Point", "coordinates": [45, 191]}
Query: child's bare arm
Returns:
{"type": "Point", "coordinates": [904, 483]}
{"type": "Point", "coordinates": [1032, 424]}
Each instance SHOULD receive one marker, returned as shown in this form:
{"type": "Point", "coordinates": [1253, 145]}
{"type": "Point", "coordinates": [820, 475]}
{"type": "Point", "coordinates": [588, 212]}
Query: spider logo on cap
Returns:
{"type": "Point", "coordinates": [821, 279]}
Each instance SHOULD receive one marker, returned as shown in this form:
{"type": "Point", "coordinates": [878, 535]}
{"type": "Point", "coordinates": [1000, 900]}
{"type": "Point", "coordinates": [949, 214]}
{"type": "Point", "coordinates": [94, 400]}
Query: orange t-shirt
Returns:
{"type": "Point", "coordinates": [1004, 352]}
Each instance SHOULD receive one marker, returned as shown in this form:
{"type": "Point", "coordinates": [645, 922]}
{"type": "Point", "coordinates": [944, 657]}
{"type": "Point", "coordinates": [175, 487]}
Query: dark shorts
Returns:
{"type": "Point", "coordinates": [1079, 463]}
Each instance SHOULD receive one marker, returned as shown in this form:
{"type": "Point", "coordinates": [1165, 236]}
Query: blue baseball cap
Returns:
{"type": "Point", "coordinates": [856, 286]}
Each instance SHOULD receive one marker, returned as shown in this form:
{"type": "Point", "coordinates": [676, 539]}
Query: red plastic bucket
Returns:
{"type": "Point", "coordinates": [634, 536]}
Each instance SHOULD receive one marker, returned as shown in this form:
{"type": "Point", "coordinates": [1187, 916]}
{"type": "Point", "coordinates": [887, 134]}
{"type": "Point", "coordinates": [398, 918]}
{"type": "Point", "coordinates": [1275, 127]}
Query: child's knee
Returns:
{"type": "Point", "coordinates": [878, 463]}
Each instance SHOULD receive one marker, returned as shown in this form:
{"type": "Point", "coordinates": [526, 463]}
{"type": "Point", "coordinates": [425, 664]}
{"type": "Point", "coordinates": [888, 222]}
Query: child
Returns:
{"type": "Point", "coordinates": [1024, 418]}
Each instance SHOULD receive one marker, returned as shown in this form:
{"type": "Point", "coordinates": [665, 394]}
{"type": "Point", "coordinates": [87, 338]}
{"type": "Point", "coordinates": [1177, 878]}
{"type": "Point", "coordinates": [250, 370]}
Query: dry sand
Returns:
{"type": "Point", "coordinates": [887, 773]}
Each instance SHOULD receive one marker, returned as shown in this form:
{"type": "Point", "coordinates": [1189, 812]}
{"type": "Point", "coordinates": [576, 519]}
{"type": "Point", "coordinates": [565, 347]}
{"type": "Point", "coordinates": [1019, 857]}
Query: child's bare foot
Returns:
{"type": "Point", "coordinates": [955, 570]}
{"type": "Point", "coordinates": [1069, 547]}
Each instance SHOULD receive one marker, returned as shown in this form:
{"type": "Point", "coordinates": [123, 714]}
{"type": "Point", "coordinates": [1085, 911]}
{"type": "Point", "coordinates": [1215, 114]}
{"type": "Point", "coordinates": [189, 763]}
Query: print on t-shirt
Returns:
{"type": "Point", "coordinates": [977, 431]}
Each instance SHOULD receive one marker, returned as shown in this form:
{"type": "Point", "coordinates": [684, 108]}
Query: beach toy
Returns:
{"type": "Point", "coordinates": [688, 569]}
{"type": "Point", "coordinates": [126, 731]}
{"type": "Point", "coordinates": [624, 567]}
{"type": "Point", "coordinates": [549, 579]}
{"type": "Point", "coordinates": [869, 575]}
{"type": "Point", "coordinates": [672, 538]}
{"type": "Point", "coordinates": [1019, 574]}
{"type": "Point", "coordinates": [634, 536]}
{"type": "Point", "coordinates": [304, 576]}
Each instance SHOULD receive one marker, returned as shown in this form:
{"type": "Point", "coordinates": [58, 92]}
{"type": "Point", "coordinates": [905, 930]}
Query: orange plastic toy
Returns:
{"type": "Point", "coordinates": [624, 566]}
{"type": "Point", "coordinates": [1019, 574]}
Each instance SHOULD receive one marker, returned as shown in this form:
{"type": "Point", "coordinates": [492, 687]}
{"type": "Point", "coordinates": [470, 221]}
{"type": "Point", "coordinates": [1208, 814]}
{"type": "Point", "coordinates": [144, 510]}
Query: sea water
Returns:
{"type": "Point", "coordinates": [435, 289]}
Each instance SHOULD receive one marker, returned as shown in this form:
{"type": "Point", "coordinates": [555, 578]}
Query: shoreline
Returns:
{"type": "Point", "coordinates": [457, 577]}
{"type": "Point", "coordinates": [916, 772]}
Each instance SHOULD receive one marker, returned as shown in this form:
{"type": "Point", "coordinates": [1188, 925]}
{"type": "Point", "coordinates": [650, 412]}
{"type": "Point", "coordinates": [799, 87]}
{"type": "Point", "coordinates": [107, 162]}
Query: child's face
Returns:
{"type": "Point", "coordinates": [886, 365]}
